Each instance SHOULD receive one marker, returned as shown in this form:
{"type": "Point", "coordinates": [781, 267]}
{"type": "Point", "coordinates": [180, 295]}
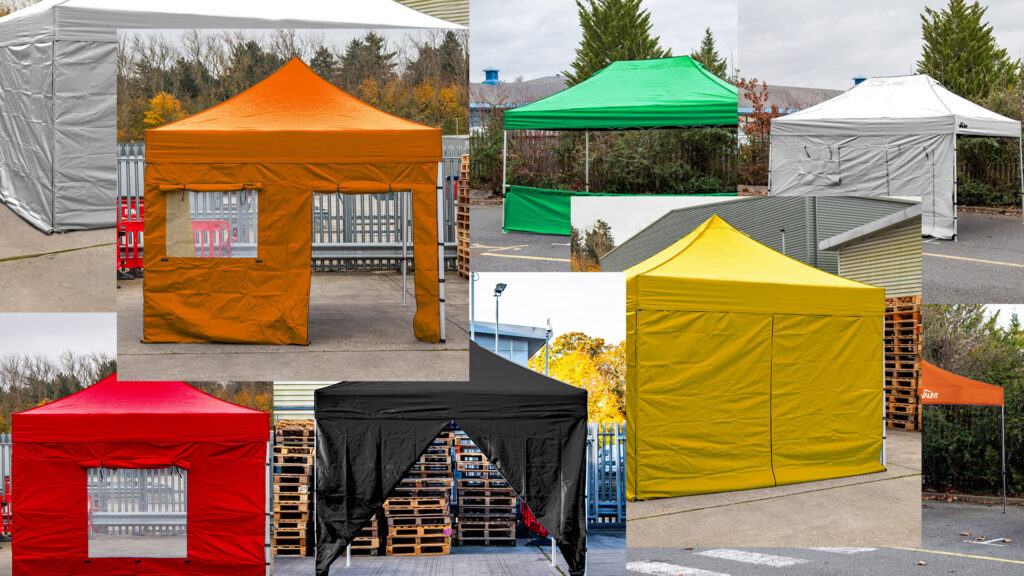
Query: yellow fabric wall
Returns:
{"type": "Point", "coordinates": [747, 369]}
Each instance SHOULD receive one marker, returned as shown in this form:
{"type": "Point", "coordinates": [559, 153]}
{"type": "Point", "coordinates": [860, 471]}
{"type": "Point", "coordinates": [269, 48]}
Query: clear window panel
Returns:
{"type": "Point", "coordinates": [138, 513]}
{"type": "Point", "coordinates": [220, 224]}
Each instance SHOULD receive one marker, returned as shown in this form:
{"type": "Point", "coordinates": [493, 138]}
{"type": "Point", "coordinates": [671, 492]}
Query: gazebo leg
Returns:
{"type": "Point", "coordinates": [440, 243]}
{"type": "Point", "coordinates": [348, 556]}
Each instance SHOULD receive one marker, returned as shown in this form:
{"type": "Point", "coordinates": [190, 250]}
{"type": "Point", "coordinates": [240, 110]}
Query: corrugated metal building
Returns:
{"type": "Point", "coordinates": [295, 399]}
{"type": "Point", "coordinates": [806, 222]}
{"type": "Point", "coordinates": [515, 343]}
{"type": "Point", "coordinates": [456, 11]}
{"type": "Point", "coordinates": [886, 253]}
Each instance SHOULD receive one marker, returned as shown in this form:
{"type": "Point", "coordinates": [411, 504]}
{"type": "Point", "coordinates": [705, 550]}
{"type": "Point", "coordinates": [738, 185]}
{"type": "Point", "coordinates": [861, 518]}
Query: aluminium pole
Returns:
{"type": "Point", "coordinates": [956, 224]}
{"type": "Point", "coordinates": [1002, 426]}
{"type": "Point", "coordinates": [440, 244]}
{"type": "Point", "coordinates": [587, 159]}
{"type": "Point", "coordinates": [496, 330]}
{"type": "Point", "coordinates": [403, 201]}
{"type": "Point", "coordinates": [504, 175]}
{"type": "Point", "coordinates": [268, 551]}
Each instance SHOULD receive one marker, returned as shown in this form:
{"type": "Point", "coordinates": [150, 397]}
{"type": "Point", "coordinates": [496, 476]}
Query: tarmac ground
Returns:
{"type": "Point", "coordinates": [958, 538]}
{"type": "Point", "coordinates": [984, 265]}
{"type": "Point", "coordinates": [491, 250]}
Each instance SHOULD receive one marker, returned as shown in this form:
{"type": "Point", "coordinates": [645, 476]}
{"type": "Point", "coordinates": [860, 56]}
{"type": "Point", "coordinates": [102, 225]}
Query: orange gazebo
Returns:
{"type": "Point", "coordinates": [939, 387]}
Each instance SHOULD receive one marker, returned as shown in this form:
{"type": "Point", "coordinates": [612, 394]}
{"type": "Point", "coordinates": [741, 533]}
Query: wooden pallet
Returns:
{"type": "Point", "coordinates": [404, 521]}
{"type": "Point", "coordinates": [482, 483]}
{"type": "Point", "coordinates": [487, 501]}
{"type": "Point", "coordinates": [419, 550]}
{"type": "Point", "coordinates": [462, 221]}
{"type": "Point", "coordinates": [419, 539]}
{"type": "Point", "coordinates": [427, 530]}
{"type": "Point", "coordinates": [426, 483]}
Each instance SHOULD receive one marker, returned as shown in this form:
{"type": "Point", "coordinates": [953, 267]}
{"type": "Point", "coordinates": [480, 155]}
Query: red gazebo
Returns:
{"type": "Point", "coordinates": [139, 478]}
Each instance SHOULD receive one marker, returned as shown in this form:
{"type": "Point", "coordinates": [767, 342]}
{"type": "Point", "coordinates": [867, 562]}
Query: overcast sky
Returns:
{"type": "Point", "coordinates": [1006, 312]}
{"type": "Point", "coordinates": [825, 44]}
{"type": "Point", "coordinates": [535, 38]}
{"type": "Point", "coordinates": [593, 303]}
{"type": "Point", "coordinates": [51, 334]}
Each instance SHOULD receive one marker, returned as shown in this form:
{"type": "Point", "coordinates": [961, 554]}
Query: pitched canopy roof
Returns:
{"type": "Point", "coordinates": [941, 387]}
{"type": "Point", "coordinates": [293, 114]}
{"type": "Point", "coordinates": [116, 411]}
{"type": "Point", "coordinates": [658, 93]}
{"type": "Point", "coordinates": [913, 104]}
{"type": "Point", "coordinates": [100, 19]}
{"type": "Point", "coordinates": [717, 267]}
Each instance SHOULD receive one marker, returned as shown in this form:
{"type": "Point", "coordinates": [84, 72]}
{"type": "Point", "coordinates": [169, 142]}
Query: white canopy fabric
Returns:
{"type": "Point", "coordinates": [891, 136]}
{"type": "Point", "coordinates": [58, 100]}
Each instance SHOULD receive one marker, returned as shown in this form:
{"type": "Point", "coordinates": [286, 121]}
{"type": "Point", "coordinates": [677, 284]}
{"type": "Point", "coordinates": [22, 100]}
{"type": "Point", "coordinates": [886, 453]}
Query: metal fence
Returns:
{"type": "Point", "coordinates": [137, 502]}
{"type": "Point", "coordinates": [606, 473]}
{"type": "Point", "coordinates": [5, 461]}
{"type": "Point", "coordinates": [350, 231]}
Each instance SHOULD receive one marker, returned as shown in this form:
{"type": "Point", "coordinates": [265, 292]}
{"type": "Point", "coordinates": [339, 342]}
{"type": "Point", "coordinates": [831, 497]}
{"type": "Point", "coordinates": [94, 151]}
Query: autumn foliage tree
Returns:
{"type": "Point", "coordinates": [594, 365]}
{"type": "Point", "coordinates": [424, 79]}
{"type": "Point", "coordinates": [753, 159]}
{"type": "Point", "coordinates": [163, 108]}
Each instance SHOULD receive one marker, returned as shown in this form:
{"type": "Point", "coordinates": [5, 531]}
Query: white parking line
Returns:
{"type": "Point", "coordinates": [752, 557]}
{"type": "Point", "coordinates": [845, 550]}
{"type": "Point", "coordinates": [665, 569]}
{"type": "Point", "coordinates": [992, 542]}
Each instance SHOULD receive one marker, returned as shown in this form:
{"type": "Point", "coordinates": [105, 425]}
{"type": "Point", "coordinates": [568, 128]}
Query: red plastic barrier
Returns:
{"type": "Point", "coordinates": [129, 234]}
{"type": "Point", "coordinates": [531, 522]}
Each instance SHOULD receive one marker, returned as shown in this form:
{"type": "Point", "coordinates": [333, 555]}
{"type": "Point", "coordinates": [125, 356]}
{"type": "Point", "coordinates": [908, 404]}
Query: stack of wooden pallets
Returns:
{"type": "Point", "coordinates": [369, 539]}
{"type": "Point", "coordinates": [418, 512]}
{"type": "Point", "coordinates": [294, 449]}
{"type": "Point", "coordinates": [903, 362]}
{"type": "Point", "coordinates": [462, 221]}
{"type": "Point", "coordinates": [487, 504]}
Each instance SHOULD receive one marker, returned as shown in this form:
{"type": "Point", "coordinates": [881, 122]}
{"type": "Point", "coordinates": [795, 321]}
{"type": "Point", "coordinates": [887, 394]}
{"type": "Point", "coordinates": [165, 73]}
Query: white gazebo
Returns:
{"type": "Point", "coordinates": [58, 89]}
{"type": "Point", "coordinates": [893, 136]}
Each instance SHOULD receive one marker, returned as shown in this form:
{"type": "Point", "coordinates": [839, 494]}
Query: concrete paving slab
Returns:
{"type": "Point", "coordinates": [72, 272]}
{"type": "Point", "coordinates": [985, 264]}
{"type": "Point", "coordinates": [491, 250]}
{"type": "Point", "coordinates": [606, 557]}
{"type": "Point", "coordinates": [880, 509]}
{"type": "Point", "coordinates": [357, 330]}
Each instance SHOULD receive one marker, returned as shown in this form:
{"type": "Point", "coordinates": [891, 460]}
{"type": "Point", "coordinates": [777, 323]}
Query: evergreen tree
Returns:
{"type": "Point", "coordinates": [612, 30]}
{"type": "Point", "coordinates": [961, 52]}
{"type": "Point", "coordinates": [367, 58]}
{"type": "Point", "coordinates": [325, 63]}
{"type": "Point", "coordinates": [707, 55]}
{"type": "Point", "coordinates": [598, 240]}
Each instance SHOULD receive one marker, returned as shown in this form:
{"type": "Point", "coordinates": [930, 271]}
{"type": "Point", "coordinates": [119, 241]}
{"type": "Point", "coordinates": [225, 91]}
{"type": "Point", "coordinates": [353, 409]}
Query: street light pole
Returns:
{"type": "Point", "coordinates": [498, 289]}
{"type": "Point", "coordinates": [473, 277]}
{"type": "Point", "coordinates": [547, 346]}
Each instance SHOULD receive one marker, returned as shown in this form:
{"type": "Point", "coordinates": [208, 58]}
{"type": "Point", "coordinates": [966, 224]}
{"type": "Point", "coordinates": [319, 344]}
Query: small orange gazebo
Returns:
{"type": "Point", "coordinates": [229, 208]}
{"type": "Point", "coordinates": [939, 387]}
